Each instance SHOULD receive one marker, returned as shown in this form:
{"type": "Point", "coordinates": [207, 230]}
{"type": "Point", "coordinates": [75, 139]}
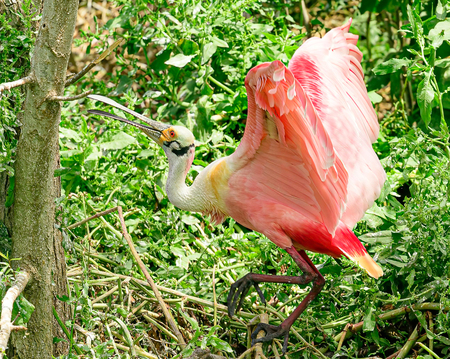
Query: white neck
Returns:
{"type": "Point", "coordinates": [186, 198]}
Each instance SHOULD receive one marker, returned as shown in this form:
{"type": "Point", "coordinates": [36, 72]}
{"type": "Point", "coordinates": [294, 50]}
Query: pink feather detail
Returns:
{"type": "Point", "coordinates": [329, 70]}
{"type": "Point", "coordinates": [310, 181]}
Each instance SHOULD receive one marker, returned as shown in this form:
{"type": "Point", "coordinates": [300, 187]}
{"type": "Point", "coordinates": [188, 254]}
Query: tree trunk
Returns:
{"type": "Point", "coordinates": [34, 194]}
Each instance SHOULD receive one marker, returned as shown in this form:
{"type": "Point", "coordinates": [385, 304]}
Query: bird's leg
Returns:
{"type": "Point", "coordinates": [240, 288]}
{"type": "Point", "coordinates": [310, 273]}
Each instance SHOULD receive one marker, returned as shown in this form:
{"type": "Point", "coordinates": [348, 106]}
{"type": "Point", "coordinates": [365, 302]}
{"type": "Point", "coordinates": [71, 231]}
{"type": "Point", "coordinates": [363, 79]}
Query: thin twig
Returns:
{"type": "Point", "coordinates": [105, 295]}
{"type": "Point", "coordinates": [431, 352]}
{"type": "Point", "coordinates": [420, 340]}
{"type": "Point", "coordinates": [138, 350]}
{"type": "Point", "coordinates": [66, 331]}
{"type": "Point", "coordinates": [177, 293]}
{"type": "Point", "coordinates": [126, 332]}
{"type": "Point", "coordinates": [10, 297]}
{"type": "Point", "coordinates": [70, 98]}
{"type": "Point", "coordinates": [248, 351]}
{"type": "Point", "coordinates": [88, 67]}
{"type": "Point", "coordinates": [150, 281]}
{"type": "Point", "coordinates": [112, 340]}
{"type": "Point", "coordinates": [214, 294]}
{"type": "Point", "coordinates": [430, 326]}
{"type": "Point", "coordinates": [104, 213]}
{"type": "Point", "coordinates": [275, 350]}
{"type": "Point", "coordinates": [264, 318]}
{"type": "Point", "coordinates": [343, 335]}
{"type": "Point", "coordinates": [23, 81]}
{"type": "Point", "coordinates": [355, 328]}
{"type": "Point", "coordinates": [90, 336]}
{"type": "Point", "coordinates": [409, 344]}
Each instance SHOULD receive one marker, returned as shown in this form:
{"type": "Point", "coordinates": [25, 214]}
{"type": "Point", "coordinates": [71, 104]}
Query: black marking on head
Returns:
{"type": "Point", "coordinates": [183, 150]}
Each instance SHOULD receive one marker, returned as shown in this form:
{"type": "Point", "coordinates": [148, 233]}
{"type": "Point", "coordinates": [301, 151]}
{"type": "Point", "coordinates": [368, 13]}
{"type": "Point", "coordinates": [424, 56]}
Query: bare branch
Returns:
{"type": "Point", "coordinates": [104, 213]}
{"type": "Point", "coordinates": [70, 98]}
{"type": "Point", "coordinates": [89, 67]}
{"type": "Point", "coordinates": [9, 85]}
{"type": "Point", "coordinates": [11, 295]}
{"type": "Point", "coordinates": [150, 281]}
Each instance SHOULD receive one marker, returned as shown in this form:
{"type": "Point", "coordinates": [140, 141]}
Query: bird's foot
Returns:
{"type": "Point", "coordinates": [240, 289]}
{"type": "Point", "coordinates": [272, 331]}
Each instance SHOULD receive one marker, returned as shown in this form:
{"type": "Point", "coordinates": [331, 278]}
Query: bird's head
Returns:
{"type": "Point", "coordinates": [177, 142]}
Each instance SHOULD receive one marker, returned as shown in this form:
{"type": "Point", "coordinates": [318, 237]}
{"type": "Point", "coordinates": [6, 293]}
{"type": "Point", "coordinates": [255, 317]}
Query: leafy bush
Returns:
{"type": "Point", "coordinates": [185, 63]}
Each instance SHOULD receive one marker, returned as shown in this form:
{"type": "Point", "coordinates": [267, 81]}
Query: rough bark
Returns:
{"type": "Point", "coordinates": [34, 195]}
{"type": "Point", "coordinates": [59, 280]}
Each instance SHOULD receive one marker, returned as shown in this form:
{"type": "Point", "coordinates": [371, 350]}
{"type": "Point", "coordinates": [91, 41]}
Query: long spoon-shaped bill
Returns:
{"type": "Point", "coordinates": [153, 129]}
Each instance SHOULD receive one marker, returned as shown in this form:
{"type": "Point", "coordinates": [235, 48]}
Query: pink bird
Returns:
{"type": "Point", "coordinates": [305, 171]}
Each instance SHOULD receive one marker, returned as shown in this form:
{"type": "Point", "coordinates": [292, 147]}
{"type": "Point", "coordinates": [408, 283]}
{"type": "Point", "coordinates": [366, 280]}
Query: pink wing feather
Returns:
{"type": "Point", "coordinates": [303, 152]}
{"type": "Point", "coordinates": [325, 124]}
{"type": "Point", "coordinates": [330, 72]}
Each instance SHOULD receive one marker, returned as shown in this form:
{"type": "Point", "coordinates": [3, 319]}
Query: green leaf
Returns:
{"type": "Point", "coordinates": [373, 221]}
{"type": "Point", "coordinates": [440, 33]}
{"type": "Point", "coordinates": [218, 42]}
{"type": "Point", "coordinates": [188, 47]}
{"type": "Point", "coordinates": [441, 11]}
{"type": "Point", "coordinates": [416, 22]}
{"type": "Point", "coordinates": [179, 60]}
{"type": "Point", "coordinates": [70, 134]}
{"type": "Point", "coordinates": [95, 154]}
{"type": "Point", "coordinates": [159, 63]}
{"type": "Point", "coordinates": [24, 309]}
{"type": "Point", "coordinates": [369, 319]}
{"type": "Point", "coordinates": [410, 278]}
{"type": "Point", "coordinates": [442, 63]}
{"type": "Point", "coordinates": [208, 50]}
{"type": "Point", "coordinates": [425, 97]}
{"type": "Point", "coordinates": [124, 84]}
{"type": "Point", "coordinates": [10, 193]}
{"type": "Point", "coordinates": [58, 340]}
{"type": "Point", "coordinates": [391, 65]}
{"type": "Point", "coordinates": [374, 97]}
{"type": "Point", "coordinates": [189, 220]}
{"type": "Point", "coordinates": [367, 5]}
{"type": "Point", "coordinates": [61, 171]}
{"type": "Point", "coordinates": [259, 29]}
{"type": "Point", "coordinates": [119, 141]}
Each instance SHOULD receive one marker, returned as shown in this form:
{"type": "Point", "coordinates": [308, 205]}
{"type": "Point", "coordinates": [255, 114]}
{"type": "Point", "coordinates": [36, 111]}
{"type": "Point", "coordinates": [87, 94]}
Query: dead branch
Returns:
{"type": "Point", "coordinates": [89, 66]}
{"type": "Point", "coordinates": [104, 213]}
{"type": "Point", "coordinates": [150, 281]}
{"type": "Point", "coordinates": [10, 297]}
{"type": "Point", "coordinates": [70, 98]}
{"type": "Point", "coordinates": [9, 85]}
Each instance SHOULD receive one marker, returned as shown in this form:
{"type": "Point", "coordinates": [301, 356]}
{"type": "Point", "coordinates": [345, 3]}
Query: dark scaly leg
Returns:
{"type": "Point", "coordinates": [242, 286]}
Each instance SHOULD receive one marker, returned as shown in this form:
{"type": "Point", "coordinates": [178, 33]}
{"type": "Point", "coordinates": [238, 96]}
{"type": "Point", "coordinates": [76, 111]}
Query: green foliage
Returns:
{"type": "Point", "coordinates": [185, 63]}
{"type": "Point", "coordinates": [15, 48]}
{"type": "Point", "coordinates": [196, 56]}
{"type": "Point", "coordinates": [427, 52]}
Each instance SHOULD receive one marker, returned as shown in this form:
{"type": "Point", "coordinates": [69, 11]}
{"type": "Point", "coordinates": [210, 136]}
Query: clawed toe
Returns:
{"type": "Point", "coordinates": [272, 331]}
{"type": "Point", "coordinates": [239, 290]}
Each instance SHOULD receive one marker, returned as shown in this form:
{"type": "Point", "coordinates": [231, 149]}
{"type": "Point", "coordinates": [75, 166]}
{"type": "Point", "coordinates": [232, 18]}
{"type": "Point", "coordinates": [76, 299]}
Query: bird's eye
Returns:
{"type": "Point", "coordinates": [172, 133]}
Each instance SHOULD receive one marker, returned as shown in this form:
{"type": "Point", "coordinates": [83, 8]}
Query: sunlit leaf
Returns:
{"type": "Point", "coordinates": [425, 97]}
{"type": "Point", "coordinates": [208, 50]}
{"type": "Point", "coordinates": [179, 60]}
{"type": "Point", "coordinates": [118, 141]}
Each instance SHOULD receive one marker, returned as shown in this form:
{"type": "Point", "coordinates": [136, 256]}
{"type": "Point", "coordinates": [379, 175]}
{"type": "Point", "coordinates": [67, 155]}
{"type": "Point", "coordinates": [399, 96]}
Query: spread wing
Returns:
{"type": "Point", "coordinates": [330, 72]}
{"type": "Point", "coordinates": [287, 150]}
{"type": "Point", "coordinates": [307, 142]}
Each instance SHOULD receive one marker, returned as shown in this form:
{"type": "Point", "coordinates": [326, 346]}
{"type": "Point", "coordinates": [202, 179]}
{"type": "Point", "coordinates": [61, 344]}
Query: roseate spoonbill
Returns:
{"type": "Point", "coordinates": [305, 171]}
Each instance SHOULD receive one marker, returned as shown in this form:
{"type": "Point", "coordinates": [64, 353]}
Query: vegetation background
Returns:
{"type": "Point", "coordinates": [184, 62]}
